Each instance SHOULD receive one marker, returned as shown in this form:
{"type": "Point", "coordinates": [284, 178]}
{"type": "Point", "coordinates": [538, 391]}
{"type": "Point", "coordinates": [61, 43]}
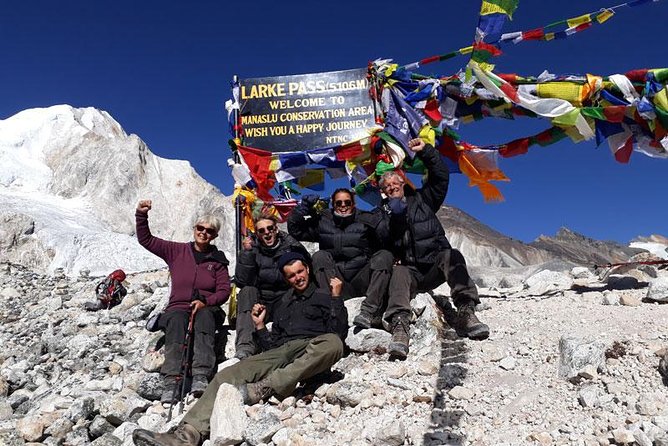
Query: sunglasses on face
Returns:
{"type": "Point", "coordinates": [267, 230]}
{"type": "Point", "coordinates": [209, 231]}
{"type": "Point", "coordinates": [342, 203]}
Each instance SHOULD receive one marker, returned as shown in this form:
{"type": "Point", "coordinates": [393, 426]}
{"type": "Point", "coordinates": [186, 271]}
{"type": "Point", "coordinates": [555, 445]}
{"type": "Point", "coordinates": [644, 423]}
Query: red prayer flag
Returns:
{"type": "Point", "coordinates": [431, 110]}
{"type": "Point", "coordinates": [258, 162]}
{"type": "Point", "coordinates": [623, 154]}
{"type": "Point", "coordinates": [534, 34]}
{"type": "Point", "coordinates": [514, 148]}
{"type": "Point", "coordinates": [349, 151]}
{"type": "Point", "coordinates": [510, 91]}
{"type": "Point", "coordinates": [637, 75]}
{"type": "Point", "coordinates": [614, 113]}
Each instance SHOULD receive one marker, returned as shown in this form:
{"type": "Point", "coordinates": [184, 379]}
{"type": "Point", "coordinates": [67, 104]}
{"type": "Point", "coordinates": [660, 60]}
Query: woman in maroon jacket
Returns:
{"type": "Point", "coordinates": [200, 283]}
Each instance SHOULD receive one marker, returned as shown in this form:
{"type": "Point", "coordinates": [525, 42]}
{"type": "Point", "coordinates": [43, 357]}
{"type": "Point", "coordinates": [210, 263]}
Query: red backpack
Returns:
{"type": "Point", "coordinates": [111, 290]}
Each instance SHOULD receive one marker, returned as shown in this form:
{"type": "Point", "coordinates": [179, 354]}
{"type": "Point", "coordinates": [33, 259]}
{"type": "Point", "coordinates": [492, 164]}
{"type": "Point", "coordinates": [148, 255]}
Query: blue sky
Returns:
{"type": "Point", "coordinates": [162, 70]}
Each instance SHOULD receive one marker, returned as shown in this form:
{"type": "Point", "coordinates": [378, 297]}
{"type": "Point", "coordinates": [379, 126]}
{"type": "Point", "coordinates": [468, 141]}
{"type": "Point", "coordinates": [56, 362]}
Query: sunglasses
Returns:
{"type": "Point", "coordinates": [267, 230]}
{"type": "Point", "coordinates": [209, 231]}
{"type": "Point", "coordinates": [342, 203]}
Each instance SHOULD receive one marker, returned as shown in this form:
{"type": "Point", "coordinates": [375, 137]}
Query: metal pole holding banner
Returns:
{"type": "Point", "coordinates": [238, 204]}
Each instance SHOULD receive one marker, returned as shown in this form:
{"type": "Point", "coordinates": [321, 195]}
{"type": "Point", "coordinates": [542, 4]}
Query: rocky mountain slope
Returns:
{"type": "Point", "coordinates": [577, 248]}
{"type": "Point", "coordinates": [69, 182]}
{"type": "Point", "coordinates": [566, 363]}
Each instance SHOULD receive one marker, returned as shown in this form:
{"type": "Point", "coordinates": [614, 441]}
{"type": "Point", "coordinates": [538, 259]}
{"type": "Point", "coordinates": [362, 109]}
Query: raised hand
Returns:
{"type": "Point", "coordinates": [247, 243]}
{"type": "Point", "coordinates": [416, 145]}
{"type": "Point", "coordinates": [336, 285]}
{"type": "Point", "coordinates": [258, 313]}
{"type": "Point", "coordinates": [144, 206]}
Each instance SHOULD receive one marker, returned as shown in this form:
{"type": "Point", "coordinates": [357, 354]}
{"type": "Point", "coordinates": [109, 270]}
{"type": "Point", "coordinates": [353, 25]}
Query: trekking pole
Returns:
{"type": "Point", "coordinates": [181, 385]}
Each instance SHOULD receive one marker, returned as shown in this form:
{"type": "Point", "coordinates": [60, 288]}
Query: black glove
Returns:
{"type": "Point", "coordinates": [309, 200]}
{"type": "Point", "coordinates": [397, 206]}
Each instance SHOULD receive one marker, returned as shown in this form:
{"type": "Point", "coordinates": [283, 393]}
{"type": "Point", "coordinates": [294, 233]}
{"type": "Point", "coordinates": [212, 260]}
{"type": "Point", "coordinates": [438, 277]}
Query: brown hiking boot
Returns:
{"type": "Point", "coordinates": [400, 328]}
{"type": "Point", "coordinates": [184, 435]}
{"type": "Point", "coordinates": [253, 393]}
{"type": "Point", "coordinates": [470, 326]}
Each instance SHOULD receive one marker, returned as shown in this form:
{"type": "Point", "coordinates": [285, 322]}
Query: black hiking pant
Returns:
{"type": "Point", "coordinates": [449, 266]}
{"type": "Point", "coordinates": [175, 326]}
{"type": "Point", "coordinates": [245, 327]}
{"type": "Point", "coordinates": [370, 281]}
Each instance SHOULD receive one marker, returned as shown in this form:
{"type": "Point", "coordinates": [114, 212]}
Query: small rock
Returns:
{"type": "Point", "coordinates": [610, 299]}
{"type": "Point", "coordinates": [588, 372]}
{"type": "Point", "coordinates": [588, 396]}
{"type": "Point", "coordinates": [508, 363]}
{"type": "Point", "coordinates": [630, 301]}
{"type": "Point", "coordinates": [577, 353]}
{"type": "Point", "coordinates": [461, 393]}
{"type": "Point", "coordinates": [623, 436]}
{"type": "Point", "coordinates": [543, 438]}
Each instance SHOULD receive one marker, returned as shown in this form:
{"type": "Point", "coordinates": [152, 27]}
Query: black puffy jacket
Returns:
{"type": "Point", "coordinates": [258, 266]}
{"type": "Point", "coordinates": [418, 236]}
{"type": "Point", "coordinates": [351, 240]}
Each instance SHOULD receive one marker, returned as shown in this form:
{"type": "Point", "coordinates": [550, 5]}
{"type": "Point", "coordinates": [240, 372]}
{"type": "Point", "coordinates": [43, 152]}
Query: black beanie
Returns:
{"type": "Point", "coordinates": [288, 257]}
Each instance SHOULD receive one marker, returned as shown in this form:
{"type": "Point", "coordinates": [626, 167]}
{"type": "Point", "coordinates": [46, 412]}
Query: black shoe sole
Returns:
{"type": "Point", "coordinates": [478, 334]}
{"type": "Point", "coordinates": [396, 352]}
{"type": "Point", "coordinates": [141, 440]}
{"type": "Point", "coordinates": [361, 324]}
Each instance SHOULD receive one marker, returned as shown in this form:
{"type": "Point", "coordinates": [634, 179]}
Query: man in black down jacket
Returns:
{"type": "Point", "coordinates": [423, 254]}
{"type": "Point", "coordinates": [257, 272]}
{"type": "Point", "coordinates": [349, 249]}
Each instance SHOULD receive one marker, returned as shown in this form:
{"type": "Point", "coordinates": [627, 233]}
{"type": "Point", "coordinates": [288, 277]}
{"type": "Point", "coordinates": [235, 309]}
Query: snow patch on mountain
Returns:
{"type": "Point", "coordinates": [69, 183]}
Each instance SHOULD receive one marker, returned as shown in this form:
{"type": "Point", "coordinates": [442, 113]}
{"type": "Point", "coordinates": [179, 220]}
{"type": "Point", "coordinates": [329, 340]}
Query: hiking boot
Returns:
{"type": "Point", "coordinates": [400, 327]}
{"type": "Point", "coordinates": [470, 326]}
{"type": "Point", "coordinates": [253, 393]}
{"type": "Point", "coordinates": [184, 435]}
{"type": "Point", "coordinates": [199, 384]}
{"type": "Point", "coordinates": [243, 354]}
{"type": "Point", "coordinates": [362, 320]}
{"type": "Point", "coordinates": [168, 390]}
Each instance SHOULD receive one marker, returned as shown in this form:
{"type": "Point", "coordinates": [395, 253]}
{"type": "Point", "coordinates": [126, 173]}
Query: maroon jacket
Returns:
{"type": "Point", "coordinates": [209, 277]}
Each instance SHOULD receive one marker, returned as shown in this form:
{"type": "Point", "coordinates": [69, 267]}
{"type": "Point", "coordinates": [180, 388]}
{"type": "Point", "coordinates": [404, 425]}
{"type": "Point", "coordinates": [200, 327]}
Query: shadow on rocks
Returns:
{"type": "Point", "coordinates": [445, 419]}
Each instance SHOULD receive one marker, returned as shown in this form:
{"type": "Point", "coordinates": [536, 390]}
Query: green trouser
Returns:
{"type": "Point", "coordinates": [285, 366]}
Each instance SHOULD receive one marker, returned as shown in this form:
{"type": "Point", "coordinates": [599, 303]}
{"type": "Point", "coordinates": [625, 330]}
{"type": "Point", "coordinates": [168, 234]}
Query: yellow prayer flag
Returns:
{"type": "Point", "coordinates": [568, 91]}
{"type": "Point", "coordinates": [604, 15]}
{"type": "Point", "coordinates": [577, 21]}
{"type": "Point", "coordinates": [428, 135]}
{"type": "Point", "coordinates": [661, 99]}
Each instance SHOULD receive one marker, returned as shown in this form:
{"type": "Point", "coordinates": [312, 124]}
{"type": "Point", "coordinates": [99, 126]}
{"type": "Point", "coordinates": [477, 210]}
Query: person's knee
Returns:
{"type": "Point", "coordinates": [400, 274]}
{"type": "Point", "coordinates": [205, 322]}
{"type": "Point", "coordinates": [246, 298]}
{"type": "Point", "coordinates": [457, 258]}
{"type": "Point", "coordinates": [382, 260]}
{"type": "Point", "coordinates": [322, 259]}
{"type": "Point", "coordinates": [331, 345]}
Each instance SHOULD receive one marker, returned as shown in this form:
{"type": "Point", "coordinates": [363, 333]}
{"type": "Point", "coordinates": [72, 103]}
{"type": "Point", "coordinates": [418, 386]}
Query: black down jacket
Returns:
{"type": "Point", "coordinates": [350, 240]}
{"type": "Point", "coordinates": [418, 236]}
{"type": "Point", "coordinates": [258, 266]}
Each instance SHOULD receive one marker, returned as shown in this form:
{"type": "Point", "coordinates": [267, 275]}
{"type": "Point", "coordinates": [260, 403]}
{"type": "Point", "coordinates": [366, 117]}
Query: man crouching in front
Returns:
{"type": "Point", "coordinates": [309, 326]}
